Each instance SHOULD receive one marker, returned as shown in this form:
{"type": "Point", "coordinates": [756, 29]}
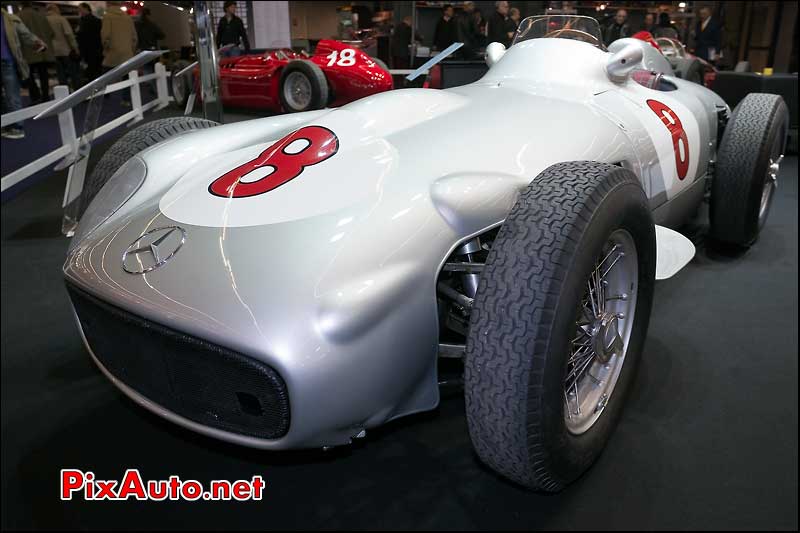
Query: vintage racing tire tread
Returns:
{"type": "Point", "coordinates": [522, 307]}
{"type": "Point", "coordinates": [742, 164]}
{"type": "Point", "coordinates": [319, 84]}
{"type": "Point", "coordinates": [131, 144]}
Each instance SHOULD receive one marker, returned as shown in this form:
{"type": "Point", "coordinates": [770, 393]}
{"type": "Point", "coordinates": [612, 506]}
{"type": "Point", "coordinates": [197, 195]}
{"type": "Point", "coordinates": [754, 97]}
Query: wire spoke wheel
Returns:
{"type": "Point", "coordinates": [297, 90]}
{"type": "Point", "coordinates": [602, 331]}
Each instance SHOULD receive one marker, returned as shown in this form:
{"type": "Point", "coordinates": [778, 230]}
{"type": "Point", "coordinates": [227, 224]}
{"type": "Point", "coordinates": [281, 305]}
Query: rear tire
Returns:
{"type": "Point", "coordinates": [747, 165]}
{"type": "Point", "coordinates": [303, 87]}
{"type": "Point", "coordinates": [694, 72]}
{"type": "Point", "coordinates": [523, 320]}
{"type": "Point", "coordinates": [131, 144]}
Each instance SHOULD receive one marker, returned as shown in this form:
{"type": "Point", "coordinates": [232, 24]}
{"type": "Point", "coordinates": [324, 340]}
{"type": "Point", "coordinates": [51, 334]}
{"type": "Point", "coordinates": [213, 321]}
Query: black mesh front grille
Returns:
{"type": "Point", "coordinates": [198, 380]}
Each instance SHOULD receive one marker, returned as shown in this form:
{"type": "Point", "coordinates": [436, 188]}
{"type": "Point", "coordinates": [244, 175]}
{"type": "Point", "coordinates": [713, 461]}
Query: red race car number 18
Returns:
{"type": "Point", "coordinates": [320, 144]}
{"type": "Point", "coordinates": [680, 142]}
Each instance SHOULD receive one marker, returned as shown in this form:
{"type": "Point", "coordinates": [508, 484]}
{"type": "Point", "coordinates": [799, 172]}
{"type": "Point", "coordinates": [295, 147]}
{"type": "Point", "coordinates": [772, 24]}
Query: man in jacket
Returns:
{"type": "Point", "coordinates": [13, 34]}
{"type": "Point", "coordinates": [38, 61]}
{"type": "Point", "coordinates": [665, 27]}
{"type": "Point", "coordinates": [468, 31]}
{"type": "Point", "coordinates": [401, 40]}
{"type": "Point", "coordinates": [148, 34]}
{"type": "Point", "coordinates": [148, 31]}
{"type": "Point", "coordinates": [618, 28]}
{"type": "Point", "coordinates": [119, 40]}
{"type": "Point", "coordinates": [708, 37]}
{"type": "Point", "coordinates": [89, 41]}
{"type": "Point", "coordinates": [500, 28]}
{"type": "Point", "coordinates": [230, 30]}
{"type": "Point", "coordinates": [65, 48]}
{"type": "Point", "coordinates": [118, 35]}
{"type": "Point", "coordinates": [649, 24]}
{"type": "Point", "coordinates": [446, 32]}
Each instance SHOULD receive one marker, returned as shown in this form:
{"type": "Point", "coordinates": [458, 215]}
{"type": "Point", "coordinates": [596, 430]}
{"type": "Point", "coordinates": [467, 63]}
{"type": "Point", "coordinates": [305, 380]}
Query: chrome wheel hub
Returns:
{"type": "Point", "coordinates": [605, 337]}
{"type": "Point", "coordinates": [297, 90]}
{"type": "Point", "coordinates": [602, 331]}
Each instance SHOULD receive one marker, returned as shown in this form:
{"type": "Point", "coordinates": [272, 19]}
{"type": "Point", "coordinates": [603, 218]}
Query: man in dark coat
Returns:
{"type": "Point", "coordinates": [618, 28]}
{"type": "Point", "coordinates": [231, 31]}
{"type": "Point", "coordinates": [500, 27]}
{"type": "Point", "coordinates": [446, 31]}
{"type": "Point", "coordinates": [468, 31]}
{"type": "Point", "coordinates": [148, 31]}
{"type": "Point", "coordinates": [708, 36]}
{"type": "Point", "coordinates": [89, 42]}
{"type": "Point", "coordinates": [401, 40]}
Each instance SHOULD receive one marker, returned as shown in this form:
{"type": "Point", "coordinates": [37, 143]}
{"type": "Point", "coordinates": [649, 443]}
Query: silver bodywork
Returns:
{"type": "Point", "coordinates": [331, 278]}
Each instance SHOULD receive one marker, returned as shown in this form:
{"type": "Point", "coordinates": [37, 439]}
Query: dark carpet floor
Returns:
{"type": "Point", "coordinates": [708, 440]}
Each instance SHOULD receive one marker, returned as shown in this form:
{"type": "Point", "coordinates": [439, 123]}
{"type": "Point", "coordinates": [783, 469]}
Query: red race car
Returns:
{"type": "Point", "coordinates": [287, 81]}
{"type": "Point", "coordinates": [685, 65]}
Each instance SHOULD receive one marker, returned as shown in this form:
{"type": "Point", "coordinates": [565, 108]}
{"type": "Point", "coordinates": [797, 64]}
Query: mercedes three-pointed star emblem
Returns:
{"type": "Point", "coordinates": [152, 249]}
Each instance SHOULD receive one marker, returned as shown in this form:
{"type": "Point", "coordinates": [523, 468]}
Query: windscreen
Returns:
{"type": "Point", "coordinates": [670, 48]}
{"type": "Point", "coordinates": [574, 27]}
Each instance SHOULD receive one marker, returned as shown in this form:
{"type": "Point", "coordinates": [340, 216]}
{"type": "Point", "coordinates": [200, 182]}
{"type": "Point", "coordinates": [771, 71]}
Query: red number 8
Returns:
{"type": "Point", "coordinates": [322, 144]}
{"type": "Point", "coordinates": [673, 124]}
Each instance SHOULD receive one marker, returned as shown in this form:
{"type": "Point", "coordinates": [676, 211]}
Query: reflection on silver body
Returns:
{"type": "Point", "coordinates": [330, 279]}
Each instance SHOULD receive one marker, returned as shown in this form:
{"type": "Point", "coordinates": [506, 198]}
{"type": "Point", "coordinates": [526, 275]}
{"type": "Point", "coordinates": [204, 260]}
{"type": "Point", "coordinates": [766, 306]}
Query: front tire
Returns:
{"type": "Point", "coordinates": [303, 87]}
{"type": "Point", "coordinates": [130, 144]}
{"type": "Point", "coordinates": [529, 311]}
{"type": "Point", "coordinates": [747, 168]}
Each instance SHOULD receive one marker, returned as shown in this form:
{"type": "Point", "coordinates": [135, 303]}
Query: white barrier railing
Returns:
{"type": "Point", "coordinates": [66, 120]}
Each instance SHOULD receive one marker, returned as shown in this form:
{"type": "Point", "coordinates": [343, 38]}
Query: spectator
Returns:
{"type": "Point", "coordinates": [231, 31]}
{"type": "Point", "coordinates": [515, 17]}
{"type": "Point", "coordinates": [468, 31]}
{"type": "Point", "coordinates": [65, 48]}
{"type": "Point", "coordinates": [618, 28]}
{"type": "Point", "coordinates": [665, 27]}
{"type": "Point", "coordinates": [500, 27]}
{"type": "Point", "coordinates": [89, 41]}
{"type": "Point", "coordinates": [38, 60]}
{"type": "Point", "coordinates": [14, 33]}
{"type": "Point", "coordinates": [480, 23]}
{"type": "Point", "coordinates": [147, 32]}
{"type": "Point", "coordinates": [401, 40]}
{"type": "Point", "coordinates": [118, 35]}
{"type": "Point", "coordinates": [708, 36]}
{"type": "Point", "coordinates": [446, 31]}
{"type": "Point", "coordinates": [649, 24]}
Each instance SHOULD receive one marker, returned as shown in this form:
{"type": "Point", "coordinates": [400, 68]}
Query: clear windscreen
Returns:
{"type": "Point", "coordinates": [573, 27]}
{"type": "Point", "coordinates": [670, 48]}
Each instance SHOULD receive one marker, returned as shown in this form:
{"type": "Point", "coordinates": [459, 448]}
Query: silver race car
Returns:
{"type": "Point", "coordinates": [292, 281]}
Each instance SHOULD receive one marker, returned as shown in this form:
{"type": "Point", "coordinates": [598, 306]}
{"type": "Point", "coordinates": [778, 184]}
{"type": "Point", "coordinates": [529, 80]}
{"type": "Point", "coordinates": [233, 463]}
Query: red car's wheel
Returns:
{"type": "Point", "coordinates": [303, 87]}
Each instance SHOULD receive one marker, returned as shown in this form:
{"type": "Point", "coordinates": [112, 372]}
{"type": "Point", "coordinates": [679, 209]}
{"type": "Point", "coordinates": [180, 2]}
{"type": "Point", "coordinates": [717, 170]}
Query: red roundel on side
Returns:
{"type": "Point", "coordinates": [284, 166]}
{"type": "Point", "coordinates": [680, 142]}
